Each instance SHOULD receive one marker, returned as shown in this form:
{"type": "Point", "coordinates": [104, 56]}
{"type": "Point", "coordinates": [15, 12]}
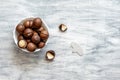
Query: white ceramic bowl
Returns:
{"type": "Point", "coordinates": [15, 35]}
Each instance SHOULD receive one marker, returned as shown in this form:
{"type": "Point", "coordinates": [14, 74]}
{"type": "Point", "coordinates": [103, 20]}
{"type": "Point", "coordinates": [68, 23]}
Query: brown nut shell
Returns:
{"type": "Point", "coordinates": [20, 28]}
{"type": "Point", "coordinates": [31, 47]}
{"type": "Point", "coordinates": [44, 34]}
{"type": "Point", "coordinates": [28, 33]}
{"type": "Point", "coordinates": [41, 45]}
{"type": "Point", "coordinates": [28, 23]}
{"type": "Point", "coordinates": [35, 38]}
{"type": "Point", "coordinates": [50, 55]}
{"type": "Point", "coordinates": [20, 37]}
{"type": "Point", "coordinates": [37, 23]}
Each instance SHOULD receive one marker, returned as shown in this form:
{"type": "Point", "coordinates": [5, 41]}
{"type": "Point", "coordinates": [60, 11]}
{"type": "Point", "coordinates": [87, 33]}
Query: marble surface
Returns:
{"type": "Point", "coordinates": [93, 24]}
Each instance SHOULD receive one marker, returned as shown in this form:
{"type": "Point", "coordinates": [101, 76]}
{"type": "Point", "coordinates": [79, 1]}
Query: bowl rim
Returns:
{"type": "Point", "coordinates": [15, 33]}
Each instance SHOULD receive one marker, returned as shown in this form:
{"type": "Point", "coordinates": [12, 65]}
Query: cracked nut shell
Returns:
{"type": "Point", "coordinates": [22, 44]}
{"type": "Point", "coordinates": [63, 27]}
{"type": "Point", "coordinates": [50, 55]}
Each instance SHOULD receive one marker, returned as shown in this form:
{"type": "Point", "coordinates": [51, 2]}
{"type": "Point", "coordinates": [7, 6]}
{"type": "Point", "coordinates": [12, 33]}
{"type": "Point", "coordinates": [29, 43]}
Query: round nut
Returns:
{"type": "Point", "coordinates": [28, 33]}
{"type": "Point", "coordinates": [20, 28]}
{"type": "Point", "coordinates": [28, 23]}
{"type": "Point", "coordinates": [50, 55]}
{"type": "Point", "coordinates": [22, 44]}
{"type": "Point", "coordinates": [41, 44]}
{"type": "Point", "coordinates": [35, 38]}
{"type": "Point", "coordinates": [37, 23]}
{"type": "Point", "coordinates": [31, 47]}
{"type": "Point", "coordinates": [44, 34]}
{"type": "Point", "coordinates": [20, 37]}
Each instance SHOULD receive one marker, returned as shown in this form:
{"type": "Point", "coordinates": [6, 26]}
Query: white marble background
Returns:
{"type": "Point", "coordinates": [93, 24]}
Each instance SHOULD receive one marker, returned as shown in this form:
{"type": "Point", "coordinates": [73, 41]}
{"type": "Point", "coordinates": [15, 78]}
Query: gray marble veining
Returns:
{"type": "Point", "coordinates": [93, 24]}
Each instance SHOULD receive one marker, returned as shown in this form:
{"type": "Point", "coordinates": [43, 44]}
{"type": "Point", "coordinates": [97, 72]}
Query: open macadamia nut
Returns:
{"type": "Point", "coordinates": [31, 34]}
{"type": "Point", "coordinates": [50, 55]}
{"type": "Point", "coordinates": [44, 34]}
{"type": "Point", "coordinates": [22, 44]}
{"type": "Point", "coordinates": [63, 27]}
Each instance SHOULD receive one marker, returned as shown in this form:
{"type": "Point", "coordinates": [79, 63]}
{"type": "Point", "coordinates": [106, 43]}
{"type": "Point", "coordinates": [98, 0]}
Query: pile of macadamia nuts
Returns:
{"type": "Point", "coordinates": [31, 34]}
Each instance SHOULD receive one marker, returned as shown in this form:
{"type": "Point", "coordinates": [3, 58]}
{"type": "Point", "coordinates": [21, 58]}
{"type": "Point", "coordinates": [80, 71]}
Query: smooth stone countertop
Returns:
{"type": "Point", "coordinates": [92, 24]}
